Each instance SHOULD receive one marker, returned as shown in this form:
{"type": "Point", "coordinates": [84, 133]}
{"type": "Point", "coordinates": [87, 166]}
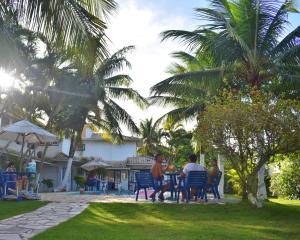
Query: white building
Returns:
{"type": "Point", "coordinates": [122, 159]}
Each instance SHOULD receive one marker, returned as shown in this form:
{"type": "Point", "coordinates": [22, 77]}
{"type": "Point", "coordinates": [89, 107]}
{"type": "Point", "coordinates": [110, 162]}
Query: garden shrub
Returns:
{"type": "Point", "coordinates": [286, 182]}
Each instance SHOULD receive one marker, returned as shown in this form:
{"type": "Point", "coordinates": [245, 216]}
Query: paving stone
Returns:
{"type": "Point", "coordinates": [29, 224]}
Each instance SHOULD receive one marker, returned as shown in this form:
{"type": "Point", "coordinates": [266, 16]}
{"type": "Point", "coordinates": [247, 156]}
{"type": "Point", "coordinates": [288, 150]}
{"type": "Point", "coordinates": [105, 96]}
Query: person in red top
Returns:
{"type": "Point", "coordinates": [157, 171]}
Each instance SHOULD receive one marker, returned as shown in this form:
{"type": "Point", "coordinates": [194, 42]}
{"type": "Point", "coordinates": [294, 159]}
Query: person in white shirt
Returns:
{"type": "Point", "coordinates": [191, 166]}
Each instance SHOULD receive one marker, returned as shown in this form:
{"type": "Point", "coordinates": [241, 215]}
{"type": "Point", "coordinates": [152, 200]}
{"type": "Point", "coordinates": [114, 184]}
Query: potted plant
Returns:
{"type": "Point", "coordinates": [80, 181]}
{"type": "Point", "coordinates": [48, 183]}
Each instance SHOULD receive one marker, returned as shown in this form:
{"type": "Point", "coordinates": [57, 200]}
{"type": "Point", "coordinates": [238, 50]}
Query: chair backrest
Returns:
{"type": "Point", "coordinates": [1, 178]}
{"type": "Point", "coordinates": [144, 179]}
{"type": "Point", "coordinates": [216, 179]}
{"type": "Point", "coordinates": [196, 179]}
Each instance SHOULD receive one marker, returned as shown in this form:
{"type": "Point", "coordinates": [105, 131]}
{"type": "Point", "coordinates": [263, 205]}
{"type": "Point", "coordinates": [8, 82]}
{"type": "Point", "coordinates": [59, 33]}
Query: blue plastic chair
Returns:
{"type": "Point", "coordinates": [1, 185]}
{"type": "Point", "coordinates": [8, 180]}
{"type": "Point", "coordinates": [91, 184]}
{"type": "Point", "coordinates": [197, 180]}
{"type": "Point", "coordinates": [144, 180]}
{"type": "Point", "coordinates": [214, 186]}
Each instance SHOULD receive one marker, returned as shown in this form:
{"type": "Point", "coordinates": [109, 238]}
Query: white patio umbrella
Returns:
{"type": "Point", "coordinates": [94, 164]}
{"type": "Point", "coordinates": [26, 132]}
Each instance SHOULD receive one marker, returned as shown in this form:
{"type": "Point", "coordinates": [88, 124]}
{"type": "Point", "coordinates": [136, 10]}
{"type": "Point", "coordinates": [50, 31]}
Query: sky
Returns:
{"type": "Point", "coordinates": [139, 23]}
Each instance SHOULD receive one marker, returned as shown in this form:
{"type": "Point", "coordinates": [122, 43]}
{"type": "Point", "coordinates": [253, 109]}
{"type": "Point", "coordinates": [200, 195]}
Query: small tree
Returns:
{"type": "Point", "coordinates": [249, 131]}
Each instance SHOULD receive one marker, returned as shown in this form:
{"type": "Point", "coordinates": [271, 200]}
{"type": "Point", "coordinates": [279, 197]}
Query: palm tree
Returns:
{"type": "Point", "coordinates": [246, 42]}
{"type": "Point", "coordinates": [188, 95]}
{"type": "Point", "coordinates": [74, 26]}
{"type": "Point", "coordinates": [152, 136]}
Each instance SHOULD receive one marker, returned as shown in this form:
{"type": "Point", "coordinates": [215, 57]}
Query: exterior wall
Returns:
{"type": "Point", "coordinates": [49, 172]}
{"type": "Point", "coordinates": [107, 151]}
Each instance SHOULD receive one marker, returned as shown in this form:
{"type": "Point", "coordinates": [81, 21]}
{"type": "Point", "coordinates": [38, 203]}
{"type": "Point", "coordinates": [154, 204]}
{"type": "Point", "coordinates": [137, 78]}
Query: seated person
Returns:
{"type": "Point", "coordinates": [213, 171]}
{"type": "Point", "coordinates": [12, 178]}
{"type": "Point", "coordinates": [10, 167]}
{"type": "Point", "coordinates": [90, 176]}
{"type": "Point", "coordinates": [157, 171]}
{"type": "Point", "coordinates": [191, 166]}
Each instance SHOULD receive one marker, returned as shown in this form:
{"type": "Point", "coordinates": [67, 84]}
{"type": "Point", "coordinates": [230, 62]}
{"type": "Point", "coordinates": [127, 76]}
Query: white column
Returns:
{"type": "Point", "coordinates": [202, 159]}
{"type": "Point", "coordinates": [221, 162]}
{"type": "Point", "coordinates": [262, 190]}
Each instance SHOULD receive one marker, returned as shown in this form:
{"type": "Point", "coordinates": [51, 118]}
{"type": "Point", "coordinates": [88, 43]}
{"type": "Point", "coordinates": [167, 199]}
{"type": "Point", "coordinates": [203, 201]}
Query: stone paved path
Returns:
{"type": "Point", "coordinates": [29, 224]}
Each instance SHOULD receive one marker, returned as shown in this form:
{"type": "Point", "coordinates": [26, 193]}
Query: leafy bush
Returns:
{"type": "Point", "coordinates": [286, 183]}
{"type": "Point", "coordinates": [48, 182]}
{"type": "Point", "coordinates": [80, 181]}
{"type": "Point", "coordinates": [233, 181]}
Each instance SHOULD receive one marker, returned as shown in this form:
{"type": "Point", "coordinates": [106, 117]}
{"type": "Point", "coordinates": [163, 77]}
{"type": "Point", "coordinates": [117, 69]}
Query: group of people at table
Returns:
{"type": "Point", "coordinates": [158, 171]}
{"type": "Point", "coordinates": [19, 179]}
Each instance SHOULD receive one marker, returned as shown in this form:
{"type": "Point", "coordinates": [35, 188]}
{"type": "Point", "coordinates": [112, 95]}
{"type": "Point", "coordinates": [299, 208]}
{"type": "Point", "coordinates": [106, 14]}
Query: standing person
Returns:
{"type": "Point", "coordinates": [191, 166]}
{"type": "Point", "coordinates": [213, 171]}
{"type": "Point", "coordinates": [157, 172]}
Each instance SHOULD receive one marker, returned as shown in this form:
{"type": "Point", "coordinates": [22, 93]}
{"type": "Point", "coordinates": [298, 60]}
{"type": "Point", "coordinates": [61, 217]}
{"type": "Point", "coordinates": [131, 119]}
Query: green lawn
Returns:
{"type": "Point", "coordinates": [278, 220]}
{"type": "Point", "coordinates": [13, 208]}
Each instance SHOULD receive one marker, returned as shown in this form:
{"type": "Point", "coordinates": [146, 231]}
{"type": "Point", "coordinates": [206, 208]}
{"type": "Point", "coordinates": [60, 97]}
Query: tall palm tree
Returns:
{"type": "Point", "coordinates": [247, 44]}
{"type": "Point", "coordinates": [152, 136]}
{"type": "Point", "coordinates": [73, 25]}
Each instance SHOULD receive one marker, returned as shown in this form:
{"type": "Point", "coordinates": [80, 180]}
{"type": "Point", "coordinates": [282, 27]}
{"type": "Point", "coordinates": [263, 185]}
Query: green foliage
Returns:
{"type": "Point", "coordinates": [151, 136]}
{"type": "Point", "coordinates": [80, 181]}
{"type": "Point", "coordinates": [179, 145]}
{"type": "Point", "coordinates": [286, 182]}
{"type": "Point", "coordinates": [234, 125]}
{"type": "Point", "coordinates": [48, 182]}
{"type": "Point", "coordinates": [74, 27]}
{"type": "Point", "coordinates": [237, 45]}
{"type": "Point", "coordinates": [234, 181]}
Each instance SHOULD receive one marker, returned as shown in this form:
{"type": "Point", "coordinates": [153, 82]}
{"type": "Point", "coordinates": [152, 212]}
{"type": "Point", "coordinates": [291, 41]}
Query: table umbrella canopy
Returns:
{"type": "Point", "coordinates": [27, 130]}
{"type": "Point", "coordinates": [94, 164]}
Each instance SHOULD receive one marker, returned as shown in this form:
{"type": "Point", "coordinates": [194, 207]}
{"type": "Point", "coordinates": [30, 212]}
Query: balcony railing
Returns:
{"type": "Point", "coordinates": [140, 160]}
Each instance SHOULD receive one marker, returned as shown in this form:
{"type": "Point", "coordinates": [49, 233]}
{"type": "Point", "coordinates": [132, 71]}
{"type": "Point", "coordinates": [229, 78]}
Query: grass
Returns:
{"type": "Point", "coordinates": [13, 208]}
{"type": "Point", "coordinates": [279, 219]}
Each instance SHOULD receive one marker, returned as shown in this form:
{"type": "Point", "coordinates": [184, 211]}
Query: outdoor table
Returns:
{"type": "Point", "coordinates": [173, 181]}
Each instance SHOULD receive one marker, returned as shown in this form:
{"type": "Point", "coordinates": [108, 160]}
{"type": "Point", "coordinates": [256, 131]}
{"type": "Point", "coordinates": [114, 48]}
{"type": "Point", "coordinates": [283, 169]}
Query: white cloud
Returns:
{"type": "Point", "coordinates": [140, 26]}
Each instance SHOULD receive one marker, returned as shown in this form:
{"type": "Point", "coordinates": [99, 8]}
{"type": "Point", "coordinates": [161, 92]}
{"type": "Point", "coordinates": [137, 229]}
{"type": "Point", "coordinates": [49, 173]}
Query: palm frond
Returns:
{"type": "Point", "coordinates": [127, 94]}
{"type": "Point", "coordinates": [207, 78]}
{"type": "Point", "coordinates": [118, 80]}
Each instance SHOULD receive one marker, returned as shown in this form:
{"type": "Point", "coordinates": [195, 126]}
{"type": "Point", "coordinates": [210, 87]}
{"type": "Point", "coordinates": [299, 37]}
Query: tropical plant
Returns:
{"type": "Point", "coordinates": [188, 96]}
{"type": "Point", "coordinates": [74, 26]}
{"type": "Point", "coordinates": [250, 131]}
{"type": "Point", "coordinates": [80, 181]}
{"type": "Point", "coordinates": [48, 183]}
{"type": "Point", "coordinates": [151, 136]}
{"type": "Point", "coordinates": [178, 142]}
{"type": "Point", "coordinates": [246, 46]}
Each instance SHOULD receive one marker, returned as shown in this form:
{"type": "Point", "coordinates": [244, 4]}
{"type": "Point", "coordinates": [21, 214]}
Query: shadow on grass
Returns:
{"type": "Point", "coordinates": [162, 221]}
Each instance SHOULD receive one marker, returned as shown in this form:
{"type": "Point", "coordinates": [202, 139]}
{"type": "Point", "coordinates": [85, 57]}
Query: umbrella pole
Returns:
{"type": "Point", "coordinates": [22, 149]}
